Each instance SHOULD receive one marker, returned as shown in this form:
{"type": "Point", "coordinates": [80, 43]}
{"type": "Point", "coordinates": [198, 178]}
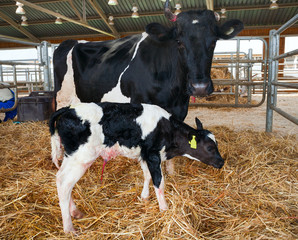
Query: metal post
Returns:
{"type": "Point", "coordinates": [271, 99]}
{"type": "Point", "coordinates": [46, 65]}
{"type": "Point", "coordinates": [1, 73]}
{"type": "Point", "coordinates": [249, 73]}
{"type": "Point", "coordinates": [237, 73]}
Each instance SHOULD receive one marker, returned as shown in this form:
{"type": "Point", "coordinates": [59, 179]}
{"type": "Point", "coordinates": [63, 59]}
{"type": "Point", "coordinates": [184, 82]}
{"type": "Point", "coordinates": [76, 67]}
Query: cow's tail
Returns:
{"type": "Point", "coordinates": [55, 138]}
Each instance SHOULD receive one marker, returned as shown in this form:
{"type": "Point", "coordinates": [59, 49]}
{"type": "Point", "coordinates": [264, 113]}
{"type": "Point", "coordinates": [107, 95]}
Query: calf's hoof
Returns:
{"type": "Point", "coordinates": [77, 214]}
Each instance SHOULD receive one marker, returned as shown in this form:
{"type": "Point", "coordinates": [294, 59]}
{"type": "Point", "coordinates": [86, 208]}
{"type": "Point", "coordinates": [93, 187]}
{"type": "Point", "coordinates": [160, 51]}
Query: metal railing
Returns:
{"type": "Point", "coordinates": [11, 71]}
{"type": "Point", "coordinates": [273, 80]}
{"type": "Point", "coordinates": [237, 62]}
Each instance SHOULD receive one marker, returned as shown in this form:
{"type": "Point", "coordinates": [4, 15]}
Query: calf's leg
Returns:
{"type": "Point", "coordinates": [154, 165]}
{"type": "Point", "coordinates": [147, 178]}
{"type": "Point", "coordinates": [170, 166]}
{"type": "Point", "coordinates": [70, 172]}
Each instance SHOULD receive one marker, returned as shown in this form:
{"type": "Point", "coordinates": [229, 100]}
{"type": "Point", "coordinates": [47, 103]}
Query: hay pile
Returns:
{"type": "Point", "coordinates": [253, 197]}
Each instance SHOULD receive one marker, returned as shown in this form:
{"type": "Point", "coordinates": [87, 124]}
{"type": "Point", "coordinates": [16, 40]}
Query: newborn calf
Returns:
{"type": "Point", "coordinates": [142, 131]}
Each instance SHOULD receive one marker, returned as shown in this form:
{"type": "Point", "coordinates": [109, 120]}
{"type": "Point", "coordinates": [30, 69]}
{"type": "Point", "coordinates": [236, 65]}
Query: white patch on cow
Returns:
{"type": "Point", "coordinates": [115, 95]}
{"type": "Point", "coordinates": [190, 157]}
{"type": "Point", "coordinates": [163, 154]}
{"type": "Point", "coordinates": [212, 137]}
{"type": "Point", "coordinates": [134, 152]}
{"type": "Point", "coordinates": [67, 94]}
{"type": "Point", "coordinates": [88, 111]}
{"type": "Point", "coordinates": [199, 85]}
{"type": "Point", "coordinates": [195, 21]}
{"type": "Point", "coordinates": [150, 117]}
{"type": "Point", "coordinates": [82, 41]}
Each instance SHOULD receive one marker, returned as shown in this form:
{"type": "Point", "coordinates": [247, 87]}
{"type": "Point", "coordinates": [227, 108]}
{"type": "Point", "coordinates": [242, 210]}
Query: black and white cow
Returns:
{"type": "Point", "coordinates": [163, 66]}
{"type": "Point", "coordinates": [141, 131]}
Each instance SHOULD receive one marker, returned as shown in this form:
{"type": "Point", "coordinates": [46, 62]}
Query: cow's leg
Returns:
{"type": "Point", "coordinates": [70, 172]}
{"type": "Point", "coordinates": [147, 178]}
{"type": "Point", "coordinates": [154, 165]}
{"type": "Point", "coordinates": [170, 166]}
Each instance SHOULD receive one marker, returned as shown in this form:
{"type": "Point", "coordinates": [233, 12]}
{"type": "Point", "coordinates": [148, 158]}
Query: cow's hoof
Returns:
{"type": "Point", "coordinates": [163, 208]}
{"type": "Point", "coordinates": [70, 231]}
{"type": "Point", "coordinates": [145, 199]}
{"type": "Point", "coordinates": [77, 214]}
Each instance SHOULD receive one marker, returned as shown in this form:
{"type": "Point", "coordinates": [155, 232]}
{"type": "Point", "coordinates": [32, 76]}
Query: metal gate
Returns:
{"type": "Point", "coordinates": [38, 73]}
{"type": "Point", "coordinates": [273, 80]}
{"type": "Point", "coordinates": [243, 67]}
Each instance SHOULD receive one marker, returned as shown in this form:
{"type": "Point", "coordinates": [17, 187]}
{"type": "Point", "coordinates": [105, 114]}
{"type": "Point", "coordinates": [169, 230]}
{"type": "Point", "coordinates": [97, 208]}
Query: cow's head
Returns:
{"type": "Point", "coordinates": [202, 146]}
{"type": "Point", "coordinates": [196, 33]}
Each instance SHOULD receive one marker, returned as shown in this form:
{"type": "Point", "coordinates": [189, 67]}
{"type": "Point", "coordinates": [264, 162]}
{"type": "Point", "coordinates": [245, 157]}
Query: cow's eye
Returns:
{"type": "Point", "coordinates": [180, 44]}
{"type": "Point", "coordinates": [209, 149]}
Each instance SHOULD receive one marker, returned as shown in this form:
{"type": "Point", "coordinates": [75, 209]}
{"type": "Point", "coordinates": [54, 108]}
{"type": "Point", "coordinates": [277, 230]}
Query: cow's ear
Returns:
{"type": "Point", "coordinates": [230, 29]}
{"type": "Point", "coordinates": [199, 124]}
{"type": "Point", "coordinates": [159, 32]}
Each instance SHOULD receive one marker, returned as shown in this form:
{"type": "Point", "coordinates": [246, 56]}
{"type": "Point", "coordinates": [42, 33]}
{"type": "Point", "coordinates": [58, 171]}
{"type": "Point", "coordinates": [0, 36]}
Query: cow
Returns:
{"type": "Point", "coordinates": [162, 66]}
{"type": "Point", "coordinates": [140, 131]}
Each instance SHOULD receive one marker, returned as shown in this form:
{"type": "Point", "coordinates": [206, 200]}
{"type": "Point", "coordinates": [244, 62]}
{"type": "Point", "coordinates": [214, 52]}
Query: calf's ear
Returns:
{"type": "Point", "coordinates": [159, 32]}
{"type": "Point", "coordinates": [199, 124]}
{"type": "Point", "coordinates": [230, 29]}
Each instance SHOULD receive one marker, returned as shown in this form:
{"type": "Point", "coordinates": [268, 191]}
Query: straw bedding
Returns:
{"type": "Point", "coordinates": [253, 197]}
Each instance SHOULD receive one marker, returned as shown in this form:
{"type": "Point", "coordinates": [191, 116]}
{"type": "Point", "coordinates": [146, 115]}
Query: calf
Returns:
{"type": "Point", "coordinates": [142, 131]}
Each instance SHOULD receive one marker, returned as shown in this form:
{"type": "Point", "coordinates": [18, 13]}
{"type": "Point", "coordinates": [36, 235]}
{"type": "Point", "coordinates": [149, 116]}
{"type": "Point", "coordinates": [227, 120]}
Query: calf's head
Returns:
{"type": "Point", "coordinates": [202, 146]}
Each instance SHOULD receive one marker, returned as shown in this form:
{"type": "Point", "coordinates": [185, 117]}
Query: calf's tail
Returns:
{"type": "Point", "coordinates": [55, 138]}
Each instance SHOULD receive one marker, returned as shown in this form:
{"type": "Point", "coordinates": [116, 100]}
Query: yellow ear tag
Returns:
{"type": "Point", "coordinates": [193, 142]}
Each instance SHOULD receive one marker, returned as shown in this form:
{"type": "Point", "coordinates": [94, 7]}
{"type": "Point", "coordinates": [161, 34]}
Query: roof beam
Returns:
{"type": "Point", "coordinates": [97, 8]}
{"type": "Point", "coordinates": [26, 3]}
{"type": "Point", "coordinates": [18, 27]}
{"type": "Point", "coordinates": [9, 4]}
{"type": "Point", "coordinates": [75, 10]}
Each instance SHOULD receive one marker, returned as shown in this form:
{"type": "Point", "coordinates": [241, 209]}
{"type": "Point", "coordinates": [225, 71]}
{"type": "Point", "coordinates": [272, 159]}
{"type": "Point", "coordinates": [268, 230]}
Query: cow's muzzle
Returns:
{"type": "Point", "coordinates": [202, 89]}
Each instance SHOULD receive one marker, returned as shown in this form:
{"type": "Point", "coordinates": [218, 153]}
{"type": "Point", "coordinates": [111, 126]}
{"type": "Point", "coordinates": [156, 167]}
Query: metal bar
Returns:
{"type": "Point", "coordinates": [289, 85]}
{"type": "Point", "coordinates": [287, 54]}
{"type": "Point", "coordinates": [233, 82]}
{"type": "Point", "coordinates": [237, 61]}
{"type": "Point", "coordinates": [13, 63]}
{"type": "Point", "coordinates": [286, 115]}
{"type": "Point", "coordinates": [287, 24]}
{"type": "Point", "coordinates": [228, 105]}
{"type": "Point", "coordinates": [17, 40]}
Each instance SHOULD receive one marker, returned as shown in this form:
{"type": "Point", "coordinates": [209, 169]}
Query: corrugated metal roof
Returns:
{"type": "Point", "coordinates": [254, 14]}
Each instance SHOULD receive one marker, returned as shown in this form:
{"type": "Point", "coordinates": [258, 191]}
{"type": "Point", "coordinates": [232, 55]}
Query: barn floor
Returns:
{"type": "Point", "coordinates": [254, 196]}
{"type": "Point", "coordinates": [250, 118]}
